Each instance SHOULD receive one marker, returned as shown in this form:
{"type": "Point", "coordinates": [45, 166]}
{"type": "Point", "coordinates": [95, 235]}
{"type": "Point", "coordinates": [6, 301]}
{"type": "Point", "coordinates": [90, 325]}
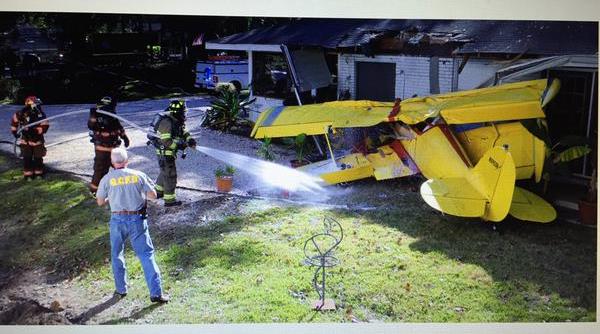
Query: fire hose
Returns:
{"type": "Point", "coordinates": [279, 176]}
{"type": "Point", "coordinates": [148, 131]}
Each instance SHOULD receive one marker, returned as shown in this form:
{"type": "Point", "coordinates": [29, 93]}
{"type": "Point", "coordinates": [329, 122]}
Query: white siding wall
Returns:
{"type": "Point", "coordinates": [412, 74]}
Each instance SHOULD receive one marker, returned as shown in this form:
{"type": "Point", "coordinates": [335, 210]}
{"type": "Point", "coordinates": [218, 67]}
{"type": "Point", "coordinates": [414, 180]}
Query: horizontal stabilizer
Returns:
{"type": "Point", "coordinates": [454, 196]}
{"type": "Point", "coordinates": [528, 206]}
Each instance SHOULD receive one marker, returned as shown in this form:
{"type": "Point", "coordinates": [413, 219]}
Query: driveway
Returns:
{"type": "Point", "coordinates": [69, 148]}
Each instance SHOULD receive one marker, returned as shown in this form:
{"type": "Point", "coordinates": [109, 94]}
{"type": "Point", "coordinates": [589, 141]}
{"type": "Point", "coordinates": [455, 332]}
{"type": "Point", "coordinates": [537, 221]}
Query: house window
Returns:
{"type": "Point", "coordinates": [270, 75]}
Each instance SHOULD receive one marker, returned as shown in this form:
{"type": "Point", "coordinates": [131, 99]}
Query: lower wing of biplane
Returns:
{"type": "Point", "coordinates": [471, 153]}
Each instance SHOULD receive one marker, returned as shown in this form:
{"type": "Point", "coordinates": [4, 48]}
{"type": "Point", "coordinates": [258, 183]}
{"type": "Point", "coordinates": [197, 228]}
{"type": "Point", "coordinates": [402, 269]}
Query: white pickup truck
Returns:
{"type": "Point", "coordinates": [211, 73]}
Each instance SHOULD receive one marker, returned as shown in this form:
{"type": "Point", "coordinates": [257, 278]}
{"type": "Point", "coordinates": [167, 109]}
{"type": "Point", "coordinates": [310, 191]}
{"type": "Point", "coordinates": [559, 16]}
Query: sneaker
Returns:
{"type": "Point", "coordinates": [174, 203]}
{"type": "Point", "coordinates": [119, 294]}
{"type": "Point", "coordinates": [162, 299]}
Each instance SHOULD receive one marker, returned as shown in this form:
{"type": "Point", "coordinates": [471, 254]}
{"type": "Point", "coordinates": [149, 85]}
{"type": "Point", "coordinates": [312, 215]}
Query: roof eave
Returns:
{"type": "Point", "coordinates": [243, 47]}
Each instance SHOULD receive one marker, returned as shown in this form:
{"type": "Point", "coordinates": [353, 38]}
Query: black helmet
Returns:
{"type": "Point", "coordinates": [176, 107]}
{"type": "Point", "coordinates": [106, 103]}
{"type": "Point", "coordinates": [32, 101]}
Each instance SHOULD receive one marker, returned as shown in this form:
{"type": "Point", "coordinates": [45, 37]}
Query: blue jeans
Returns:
{"type": "Point", "coordinates": [136, 228]}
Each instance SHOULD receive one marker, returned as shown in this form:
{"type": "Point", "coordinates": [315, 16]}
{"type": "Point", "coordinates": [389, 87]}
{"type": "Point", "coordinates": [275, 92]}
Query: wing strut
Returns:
{"type": "Point", "coordinates": [327, 130]}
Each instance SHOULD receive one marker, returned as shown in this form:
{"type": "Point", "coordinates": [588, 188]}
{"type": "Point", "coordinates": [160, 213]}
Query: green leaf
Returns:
{"type": "Point", "coordinates": [226, 110]}
{"type": "Point", "coordinates": [572, 153]}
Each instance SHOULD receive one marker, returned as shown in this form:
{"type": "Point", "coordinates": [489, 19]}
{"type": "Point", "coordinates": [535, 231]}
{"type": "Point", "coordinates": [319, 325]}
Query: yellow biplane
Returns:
{"type": "Point", "coordinates": [471, 146]}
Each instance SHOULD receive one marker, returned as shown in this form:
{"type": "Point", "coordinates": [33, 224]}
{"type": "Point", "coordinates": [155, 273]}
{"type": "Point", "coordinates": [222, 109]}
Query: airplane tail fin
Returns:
{"type": "Point", "coordinates": [485, 192]}
{"type": "Point", "coordinates": [494, 176]}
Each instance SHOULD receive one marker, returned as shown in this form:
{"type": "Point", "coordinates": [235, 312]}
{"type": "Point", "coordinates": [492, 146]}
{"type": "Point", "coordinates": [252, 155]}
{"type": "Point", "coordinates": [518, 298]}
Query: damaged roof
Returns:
{"type": "Point", "coordinates": [470, 36]}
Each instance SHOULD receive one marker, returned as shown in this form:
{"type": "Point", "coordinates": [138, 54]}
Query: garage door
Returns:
{"type": "Point", "coordinates": [375, 81]}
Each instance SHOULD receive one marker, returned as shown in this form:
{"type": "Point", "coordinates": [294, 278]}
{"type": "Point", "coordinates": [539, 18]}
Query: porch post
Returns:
{"type": "Point", "coordinates": [250, 71]}
{"type": "Point", "coordinates": [589, 120]}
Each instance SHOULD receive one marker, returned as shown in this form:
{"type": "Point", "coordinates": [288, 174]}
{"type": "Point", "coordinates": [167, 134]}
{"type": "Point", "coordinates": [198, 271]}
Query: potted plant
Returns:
{"type": "Point", "coordinates": [224, 177]}
{"type": "Point", "coordinates": [301, 148]}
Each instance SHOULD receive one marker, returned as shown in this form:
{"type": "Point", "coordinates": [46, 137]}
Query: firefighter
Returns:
{"type": "Point", "coordinates": [106, 133]}
{"type": "Point", "coordinates": [169, 126]}
{"type": "Point", "coordinates": [31, 138]}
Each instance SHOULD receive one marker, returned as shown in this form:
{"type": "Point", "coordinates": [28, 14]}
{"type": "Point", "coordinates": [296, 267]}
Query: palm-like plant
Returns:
{"type": "Point", "coordinates": [226, 111]}
{"type": "Point", "coordinates": [560, 154]}
{"type": "Point", "coordinates": [265, 151]}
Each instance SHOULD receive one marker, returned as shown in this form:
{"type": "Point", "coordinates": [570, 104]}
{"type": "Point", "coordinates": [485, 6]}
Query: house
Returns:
{"type": "Point", "coordinates": [391, 59]}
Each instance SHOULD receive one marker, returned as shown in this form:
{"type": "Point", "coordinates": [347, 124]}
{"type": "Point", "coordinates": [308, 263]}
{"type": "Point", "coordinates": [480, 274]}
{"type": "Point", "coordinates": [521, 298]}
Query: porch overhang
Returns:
{"type": "Point", "coordinates": [243, 47]}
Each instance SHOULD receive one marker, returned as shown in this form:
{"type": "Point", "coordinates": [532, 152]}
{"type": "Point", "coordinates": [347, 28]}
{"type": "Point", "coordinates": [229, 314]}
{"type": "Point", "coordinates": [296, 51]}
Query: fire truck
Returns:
{"type": "Point", "coordinates": [222, 70]}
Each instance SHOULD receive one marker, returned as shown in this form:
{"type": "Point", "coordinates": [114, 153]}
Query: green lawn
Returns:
{"type": "Point", "coordinates": [404, 264]}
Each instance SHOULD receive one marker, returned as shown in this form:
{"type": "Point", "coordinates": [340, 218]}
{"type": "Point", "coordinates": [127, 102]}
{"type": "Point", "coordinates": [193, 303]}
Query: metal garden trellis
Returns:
{"type": "Point", "coordinates": [322, 257]}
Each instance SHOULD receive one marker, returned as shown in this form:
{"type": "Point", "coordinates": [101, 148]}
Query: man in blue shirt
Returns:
{"type": "Point", "coordinates": [127, 190]}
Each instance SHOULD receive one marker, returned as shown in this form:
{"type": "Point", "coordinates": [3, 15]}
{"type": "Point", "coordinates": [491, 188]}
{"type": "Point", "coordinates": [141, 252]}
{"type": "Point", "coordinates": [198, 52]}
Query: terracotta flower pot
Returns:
{"type": "Point", "coordinates": [224, 183]}
{"type": "Point", "coordinates": [588, 212]}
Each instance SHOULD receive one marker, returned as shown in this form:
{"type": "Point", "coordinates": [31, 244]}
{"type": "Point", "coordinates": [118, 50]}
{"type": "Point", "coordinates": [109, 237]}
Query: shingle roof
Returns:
{"type": "Point", "coordinates": [475, 36]}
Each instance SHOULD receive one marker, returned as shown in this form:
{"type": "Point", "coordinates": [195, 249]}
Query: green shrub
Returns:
{"type": "Point", "coordinates": [301, 147]}
{"type": "Point", "coordinates": [265, 151]}
{"type": "Point", "coordinates": [9, 89]}
{"type": "Point", "coordinates": [227, 110]}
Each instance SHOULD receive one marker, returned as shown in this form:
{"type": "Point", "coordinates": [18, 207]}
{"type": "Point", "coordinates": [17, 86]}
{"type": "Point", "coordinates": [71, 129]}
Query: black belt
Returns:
{"type": "Point", "coordinates": [127, 212]}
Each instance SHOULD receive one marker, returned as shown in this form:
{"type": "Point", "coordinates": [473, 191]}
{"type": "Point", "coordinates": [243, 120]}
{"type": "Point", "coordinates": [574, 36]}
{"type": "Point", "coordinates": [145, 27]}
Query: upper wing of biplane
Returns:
{"type": "Point", "coordinates": [515, 101]}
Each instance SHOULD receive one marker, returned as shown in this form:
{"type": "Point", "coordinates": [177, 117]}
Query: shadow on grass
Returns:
{"type": "Point", "coordinates": [133, 316]}
{"type": "Point", "coordinates": [193, 246]}
{"type": "Point", "coordinates": [558, 257]}
{"type": "Point", "coordinates": [50, 222]}
{"type": "Point", "coordinates": [92, 312]}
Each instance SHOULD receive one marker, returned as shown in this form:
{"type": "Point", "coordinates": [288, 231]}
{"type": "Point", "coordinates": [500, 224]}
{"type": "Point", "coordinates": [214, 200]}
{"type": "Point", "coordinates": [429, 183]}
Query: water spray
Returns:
{"type": "Point", "coordinates": [273, 174]}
